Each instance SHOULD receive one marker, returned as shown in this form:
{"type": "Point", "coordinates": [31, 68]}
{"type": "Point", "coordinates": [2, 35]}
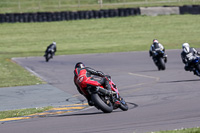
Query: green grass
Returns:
{"type": "Point", "coordinates": [90, 36]}
{"type": "Point", "coordinates": [12, 74]}
{"type": "Point", "coordinates": [22, 112]}
{"type": "Point", "coordinates": [10, 6]}
{"type": "Point", "coordinates": [184, 130]}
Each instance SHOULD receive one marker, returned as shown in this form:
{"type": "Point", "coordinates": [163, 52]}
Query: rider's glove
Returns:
{"type": "Point", "coordinates": [154, 53]}
{"type": "Point", "coordinates": [108, 76]}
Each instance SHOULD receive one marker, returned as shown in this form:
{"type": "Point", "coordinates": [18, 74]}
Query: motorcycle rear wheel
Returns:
{"type": "Point", "coordinates": [100, 104]}
{"type": "Point", "coordinates": [198, 69]}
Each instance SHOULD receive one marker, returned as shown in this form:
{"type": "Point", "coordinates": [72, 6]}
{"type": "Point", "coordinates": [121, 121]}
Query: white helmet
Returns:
{"type": "Point", "coordinates": [155, 41]}
{"type": "Point", "coordinates": [186, 47]}
{"type": "Point", "coordinates": [54, 43]}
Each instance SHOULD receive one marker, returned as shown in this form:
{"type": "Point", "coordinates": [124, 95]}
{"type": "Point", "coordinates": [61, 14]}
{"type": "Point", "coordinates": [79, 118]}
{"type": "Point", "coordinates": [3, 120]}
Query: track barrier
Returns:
{"type": "Point", "coordinates": [93, 14]}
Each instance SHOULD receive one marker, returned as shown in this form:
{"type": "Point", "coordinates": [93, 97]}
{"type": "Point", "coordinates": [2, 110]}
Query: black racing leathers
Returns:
{"type": "Point", "coordinates": [91, 71]}
{"type": "Point", "coordinates": [51, 46]}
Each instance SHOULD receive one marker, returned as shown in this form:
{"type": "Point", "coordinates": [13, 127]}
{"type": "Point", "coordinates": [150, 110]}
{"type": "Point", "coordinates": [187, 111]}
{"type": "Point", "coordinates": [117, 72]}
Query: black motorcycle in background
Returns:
{"type": "Point", "coordinates": [49, 54]}
{"type": "Point", "coordinates": [159, 58]}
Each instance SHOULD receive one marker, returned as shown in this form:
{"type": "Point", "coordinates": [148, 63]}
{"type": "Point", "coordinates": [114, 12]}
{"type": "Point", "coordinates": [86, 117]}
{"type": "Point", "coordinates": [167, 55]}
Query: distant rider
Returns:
{"type": "Point", "coordinates": [83, 78]}
{"type": "Point", "coordinates": [188, 55]}
{"type": "Point", "coordinates": [154, 46]}
{"type": "Point", "coordinates": [52, 46]}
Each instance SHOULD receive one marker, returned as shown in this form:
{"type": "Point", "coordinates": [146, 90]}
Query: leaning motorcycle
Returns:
{"type": "Point", "coordinates": [159, 59]}
{"type": "Point", "coordinates": [104, 99]}
{"type": "Point", "coordinates": [195, 65]}
{"type": "Point", "coordinates": [49, 54]}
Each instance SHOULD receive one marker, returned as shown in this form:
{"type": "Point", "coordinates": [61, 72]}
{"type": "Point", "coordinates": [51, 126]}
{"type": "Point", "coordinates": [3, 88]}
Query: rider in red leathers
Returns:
{"type": "Point", "coordinates": [83, 78]}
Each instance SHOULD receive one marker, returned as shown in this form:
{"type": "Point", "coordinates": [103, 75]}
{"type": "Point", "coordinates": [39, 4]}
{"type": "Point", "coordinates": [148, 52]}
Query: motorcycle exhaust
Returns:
{"type": "Point", "coordinates": [104, 91]}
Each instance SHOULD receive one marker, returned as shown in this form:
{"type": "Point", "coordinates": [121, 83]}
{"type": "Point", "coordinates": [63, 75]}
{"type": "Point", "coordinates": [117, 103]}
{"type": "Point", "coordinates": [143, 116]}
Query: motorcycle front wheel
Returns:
{"type": "Point", "coordinates": [102, 104]}
{"type": "Point", "coordinates": [48, 56]}
{"type": "Point", "coordinates": [161, 64]}
{"type": "Point", "coordinates": [123, 106]}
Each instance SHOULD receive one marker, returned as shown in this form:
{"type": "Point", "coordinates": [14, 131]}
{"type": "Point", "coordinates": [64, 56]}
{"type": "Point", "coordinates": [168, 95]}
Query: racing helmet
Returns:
{"type": "Point", "coordinates": [79, 65]}
{"type": "Point", "coordinates": [54, 43]}
{"type": "Point", "coordinates": [155, 41]}
{"type": "Point", "coordinates": [186, 47]}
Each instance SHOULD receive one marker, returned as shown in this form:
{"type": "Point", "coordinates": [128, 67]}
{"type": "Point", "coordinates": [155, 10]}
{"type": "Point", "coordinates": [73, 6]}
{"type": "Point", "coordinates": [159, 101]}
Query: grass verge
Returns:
{"type": "Point", "coordinates": [11, 74]}
{"type": "Point", "coordinates": [183, 130]}
{"type": "Point", "coordinates": [22, 112]}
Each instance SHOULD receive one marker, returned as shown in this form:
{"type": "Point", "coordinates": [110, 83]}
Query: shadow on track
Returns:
{"type": "Point", "coordinates": [131, 106]}
{"type": "Point", "coordinates": [180, 81]}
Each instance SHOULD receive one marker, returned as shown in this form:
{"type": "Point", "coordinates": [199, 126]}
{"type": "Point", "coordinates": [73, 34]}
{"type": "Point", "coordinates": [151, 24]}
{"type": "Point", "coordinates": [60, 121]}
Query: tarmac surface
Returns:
{"type": "Point", "coordinates": [33, 96]}
{"type": "Point", "coordinates": [158, 100]}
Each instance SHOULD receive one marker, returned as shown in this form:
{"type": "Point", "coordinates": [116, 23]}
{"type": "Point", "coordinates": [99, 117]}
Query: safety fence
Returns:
{"type": "Point", "coordinates": [78, 15]}
{"type": "Point", "coordinates": [42, 4]}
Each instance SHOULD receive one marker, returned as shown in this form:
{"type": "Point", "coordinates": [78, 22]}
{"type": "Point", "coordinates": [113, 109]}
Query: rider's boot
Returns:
{"type": "Point", "coordinates": [107, 86]}
{"type": "Point", "coordinates": [90, 103]}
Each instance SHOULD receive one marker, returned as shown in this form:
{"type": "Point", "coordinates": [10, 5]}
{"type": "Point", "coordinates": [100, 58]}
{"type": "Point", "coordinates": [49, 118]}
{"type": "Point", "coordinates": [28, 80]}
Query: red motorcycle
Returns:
{"type": "Point", "coordinates": [104, 99]}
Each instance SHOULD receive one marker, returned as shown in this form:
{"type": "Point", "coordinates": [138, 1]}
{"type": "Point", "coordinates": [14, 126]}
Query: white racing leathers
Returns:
{"type": "Point", "coordinates": [187, 58]}
{"type": "Point", "coordinates": [158, 46]}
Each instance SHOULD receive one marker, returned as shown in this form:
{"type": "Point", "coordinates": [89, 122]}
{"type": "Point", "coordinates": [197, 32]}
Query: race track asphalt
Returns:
{"type": "Point", "coordinates": [34, 96]}
{"type": "Point", "coordinates": [158, 100]}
